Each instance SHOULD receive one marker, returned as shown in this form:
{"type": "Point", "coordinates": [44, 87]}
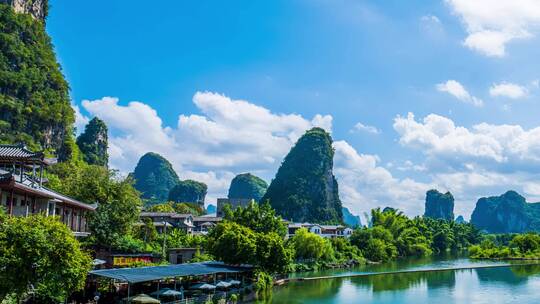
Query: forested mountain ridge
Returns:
{"type": "Point", "coordinates": [34, 96]}
{"type": "Point", "coordinates": [247, 186]}
{"type": "Point", "coordinates": [94, 142]}
{"type": "Point", "coordinates": [154, 177]}
{"type": "Point", "coordinates": [508, 213]}
{"type": "Point", "coordinates": [305, 189]}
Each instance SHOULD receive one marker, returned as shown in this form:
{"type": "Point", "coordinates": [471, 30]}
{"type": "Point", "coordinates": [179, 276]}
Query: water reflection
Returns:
{"type": "Point", "coordinates": [486, 285]}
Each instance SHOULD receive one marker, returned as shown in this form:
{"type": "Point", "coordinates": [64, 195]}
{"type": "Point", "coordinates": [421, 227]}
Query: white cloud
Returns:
{"type": "Point", "coordinates": [360, 127]}
{"type": "Point", "coordinates": [80, 119]}
{"type": "Point", "coordinates": [509, 90]}
{"type": "Point", "coordinates": [482, 160]}
{"type": "Point", "coordinates": [227, 137]}
{"type": "Point", "coordinates": [457, 90]}
{"type": "Point", "coordinates": [491, 25]}
{"type": "Point", "coordinates": [232, 136]}
{"type": "Point", "coordinates": [365, 185]}
{"type": "Point", "coordinates": [439, 137]}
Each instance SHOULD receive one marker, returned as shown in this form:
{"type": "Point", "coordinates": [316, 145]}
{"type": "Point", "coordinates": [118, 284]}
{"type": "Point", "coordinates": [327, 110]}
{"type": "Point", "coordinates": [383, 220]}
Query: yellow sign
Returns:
{"type": "Point", "coordinates": [125, 261]}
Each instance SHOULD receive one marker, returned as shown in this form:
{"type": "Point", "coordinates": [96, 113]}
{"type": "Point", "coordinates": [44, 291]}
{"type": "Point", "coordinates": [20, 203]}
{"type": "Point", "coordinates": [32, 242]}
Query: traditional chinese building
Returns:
{"type": "Point", "coordinates": [22, 191]}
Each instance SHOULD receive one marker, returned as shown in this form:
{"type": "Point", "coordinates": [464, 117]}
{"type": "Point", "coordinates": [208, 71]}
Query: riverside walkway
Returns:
{"type": "Point", "coordinates": [421, 270]}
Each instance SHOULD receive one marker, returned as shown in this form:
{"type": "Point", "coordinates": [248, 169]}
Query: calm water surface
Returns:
{"type": "Point", "coordinates": [515, 284]}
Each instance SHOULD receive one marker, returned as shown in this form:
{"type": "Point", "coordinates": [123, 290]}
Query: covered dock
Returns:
{"type": "Point", "coordinates": [155, 273]}
{"type": "Point", "coordinates": [152, 274]}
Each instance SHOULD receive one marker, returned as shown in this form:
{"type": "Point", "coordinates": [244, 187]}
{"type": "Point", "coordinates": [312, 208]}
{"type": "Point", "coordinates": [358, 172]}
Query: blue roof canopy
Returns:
{"type": "Point", "coordinates": [153, 273]}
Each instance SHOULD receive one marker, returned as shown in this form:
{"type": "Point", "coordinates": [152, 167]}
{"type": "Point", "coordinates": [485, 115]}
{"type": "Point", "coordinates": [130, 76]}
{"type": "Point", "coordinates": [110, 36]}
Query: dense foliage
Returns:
{"type": "Point", "coordinates": [252, 235]}
{"type": "Point", "coordinates": [506, 214]}
{"type": "Point", "coordinates": [305, 189]}
{"type": "Point", "coordinates": [259, 218]}
{"type": "Point", "coordinates": [521, 246]}
{"type": "Point", "coordinates": [236, 244]}
{"type": "Point", "coordinates": [154, 177]}
{"type": "Point", "coordinates": [93, 143]}
{"type": "Point", "coordinates": [247, 186]}
{"type": "Point", "coordinates": [118, 202]}
{"type": "Point", "coordinates": [188, 191]}
{"type": "Point", "coordinates": [439, 205]}
{"type": "Point", "coordinates": [34, 96]}
{"type": "Point", "coordinates": [393, 235]}
{"type": "Point", "coordinates": [40, 253]}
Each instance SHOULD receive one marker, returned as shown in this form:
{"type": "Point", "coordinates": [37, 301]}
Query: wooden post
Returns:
{"type": "Point", "coordinates": [11, 203]}
{"type": "Point", "coordinates": [26, 205]}
{"type": "Point", "coordinates": [40, 175]}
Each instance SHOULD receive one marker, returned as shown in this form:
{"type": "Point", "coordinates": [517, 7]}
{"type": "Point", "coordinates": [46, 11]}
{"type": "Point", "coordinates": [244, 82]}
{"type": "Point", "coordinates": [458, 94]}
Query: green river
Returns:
{"type": "Point", "coordinates": [513, 284]}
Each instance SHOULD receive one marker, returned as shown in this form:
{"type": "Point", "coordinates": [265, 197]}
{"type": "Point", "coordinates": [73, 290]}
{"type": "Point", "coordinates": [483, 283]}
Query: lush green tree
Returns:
{"type": "Point", "coordinates": [232, 243]}
{"type": "Point", "coordinates": [247, 186]}
{"type": "Point", "coordinates": [310, 246]}
{"type": "Point", "coordinates": [259, 218]}
{"type": "Point", "coordinates": [528, 242]}
{"type": "Point", "coordinates": [305, 189]}
{"type": "Point", "coordinates": [345, 251]}
{"type": "Point", "coordinates": [189, 191]}
{"type": "Point", "coordinates": [35, 105]}
{"type": "Point", "coordinates": [272, 255]}
{"type": "Point", "coordinates": [154, 177]}
{"type": "Point", "coordinates": [118, 202]}
{"type": "Point", "coordinates": [376, 244]}
{"type": "Point", "coordinates": [40, 253]}
{"type": "Point", "coordinates": [115, 217]}
{"type": "Point", "coordinates": [94, 142]}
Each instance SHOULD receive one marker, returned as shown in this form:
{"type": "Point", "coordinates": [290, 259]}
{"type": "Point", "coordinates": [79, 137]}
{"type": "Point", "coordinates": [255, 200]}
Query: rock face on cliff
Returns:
{"type": "Point", "coordinates": [351, 219]}
{"type": "Point", "coordinates": [154, 178]}
{"type": "Point", "coordinates": [38, 9]}
{"type": "Point", "coordinates": [506, 213]}
{"type": "Point", "coordinates": [189, 191]}
{"type": "Point", "coordinates": [439, 205]}
{"type": "Point", "coordinates": [247, 186]}
{"type": "Point", "coordinates": [305, 189]}
{"type": "Point", "coordinates": [35, 105]}
{"type": "Point", "coordinates": [93, 143]}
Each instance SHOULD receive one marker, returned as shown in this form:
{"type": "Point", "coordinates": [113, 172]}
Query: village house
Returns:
{"type": "Point", "coordinates": [22, 190]}
{"type": "Point", "coordinates": [187, 222]}
{"type": "Point", "coordinates": [327, 231]}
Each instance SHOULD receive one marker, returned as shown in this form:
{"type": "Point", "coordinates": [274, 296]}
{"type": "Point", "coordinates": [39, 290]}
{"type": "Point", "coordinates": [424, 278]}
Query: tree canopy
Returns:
{"type": "Point", "coordinates": [41, 253]}
{"type": "Point", "coordinates": [259, 218]}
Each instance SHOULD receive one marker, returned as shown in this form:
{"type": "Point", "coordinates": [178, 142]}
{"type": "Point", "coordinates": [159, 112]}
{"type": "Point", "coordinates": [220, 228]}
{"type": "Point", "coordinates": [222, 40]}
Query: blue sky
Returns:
{"type": "Point", "coordinates": [455, 64]}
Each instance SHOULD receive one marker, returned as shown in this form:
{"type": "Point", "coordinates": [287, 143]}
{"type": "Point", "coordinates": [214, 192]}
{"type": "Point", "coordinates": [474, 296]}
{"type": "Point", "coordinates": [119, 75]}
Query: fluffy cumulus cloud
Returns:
{"type": "Point", "coordinates": [361, 179]}
{"type": "Point", "coordinates": [484, 159]}
{"type": "Point", "coordinates": [230, 136]}
{"type": "Point", "coordinates": [457, 90]}
{"type": "Point", "coordinates": [509, 90]}
{"type": "Point", "coordinates": [491, 25]}
{"type": "Point", "coordinates": [227, 137]}
{"type": "Point", "coordinates": [360, 127]}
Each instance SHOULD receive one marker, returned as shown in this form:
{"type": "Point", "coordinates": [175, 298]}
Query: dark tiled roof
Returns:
{"type": "Point", "coordinates": [19, 151]}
